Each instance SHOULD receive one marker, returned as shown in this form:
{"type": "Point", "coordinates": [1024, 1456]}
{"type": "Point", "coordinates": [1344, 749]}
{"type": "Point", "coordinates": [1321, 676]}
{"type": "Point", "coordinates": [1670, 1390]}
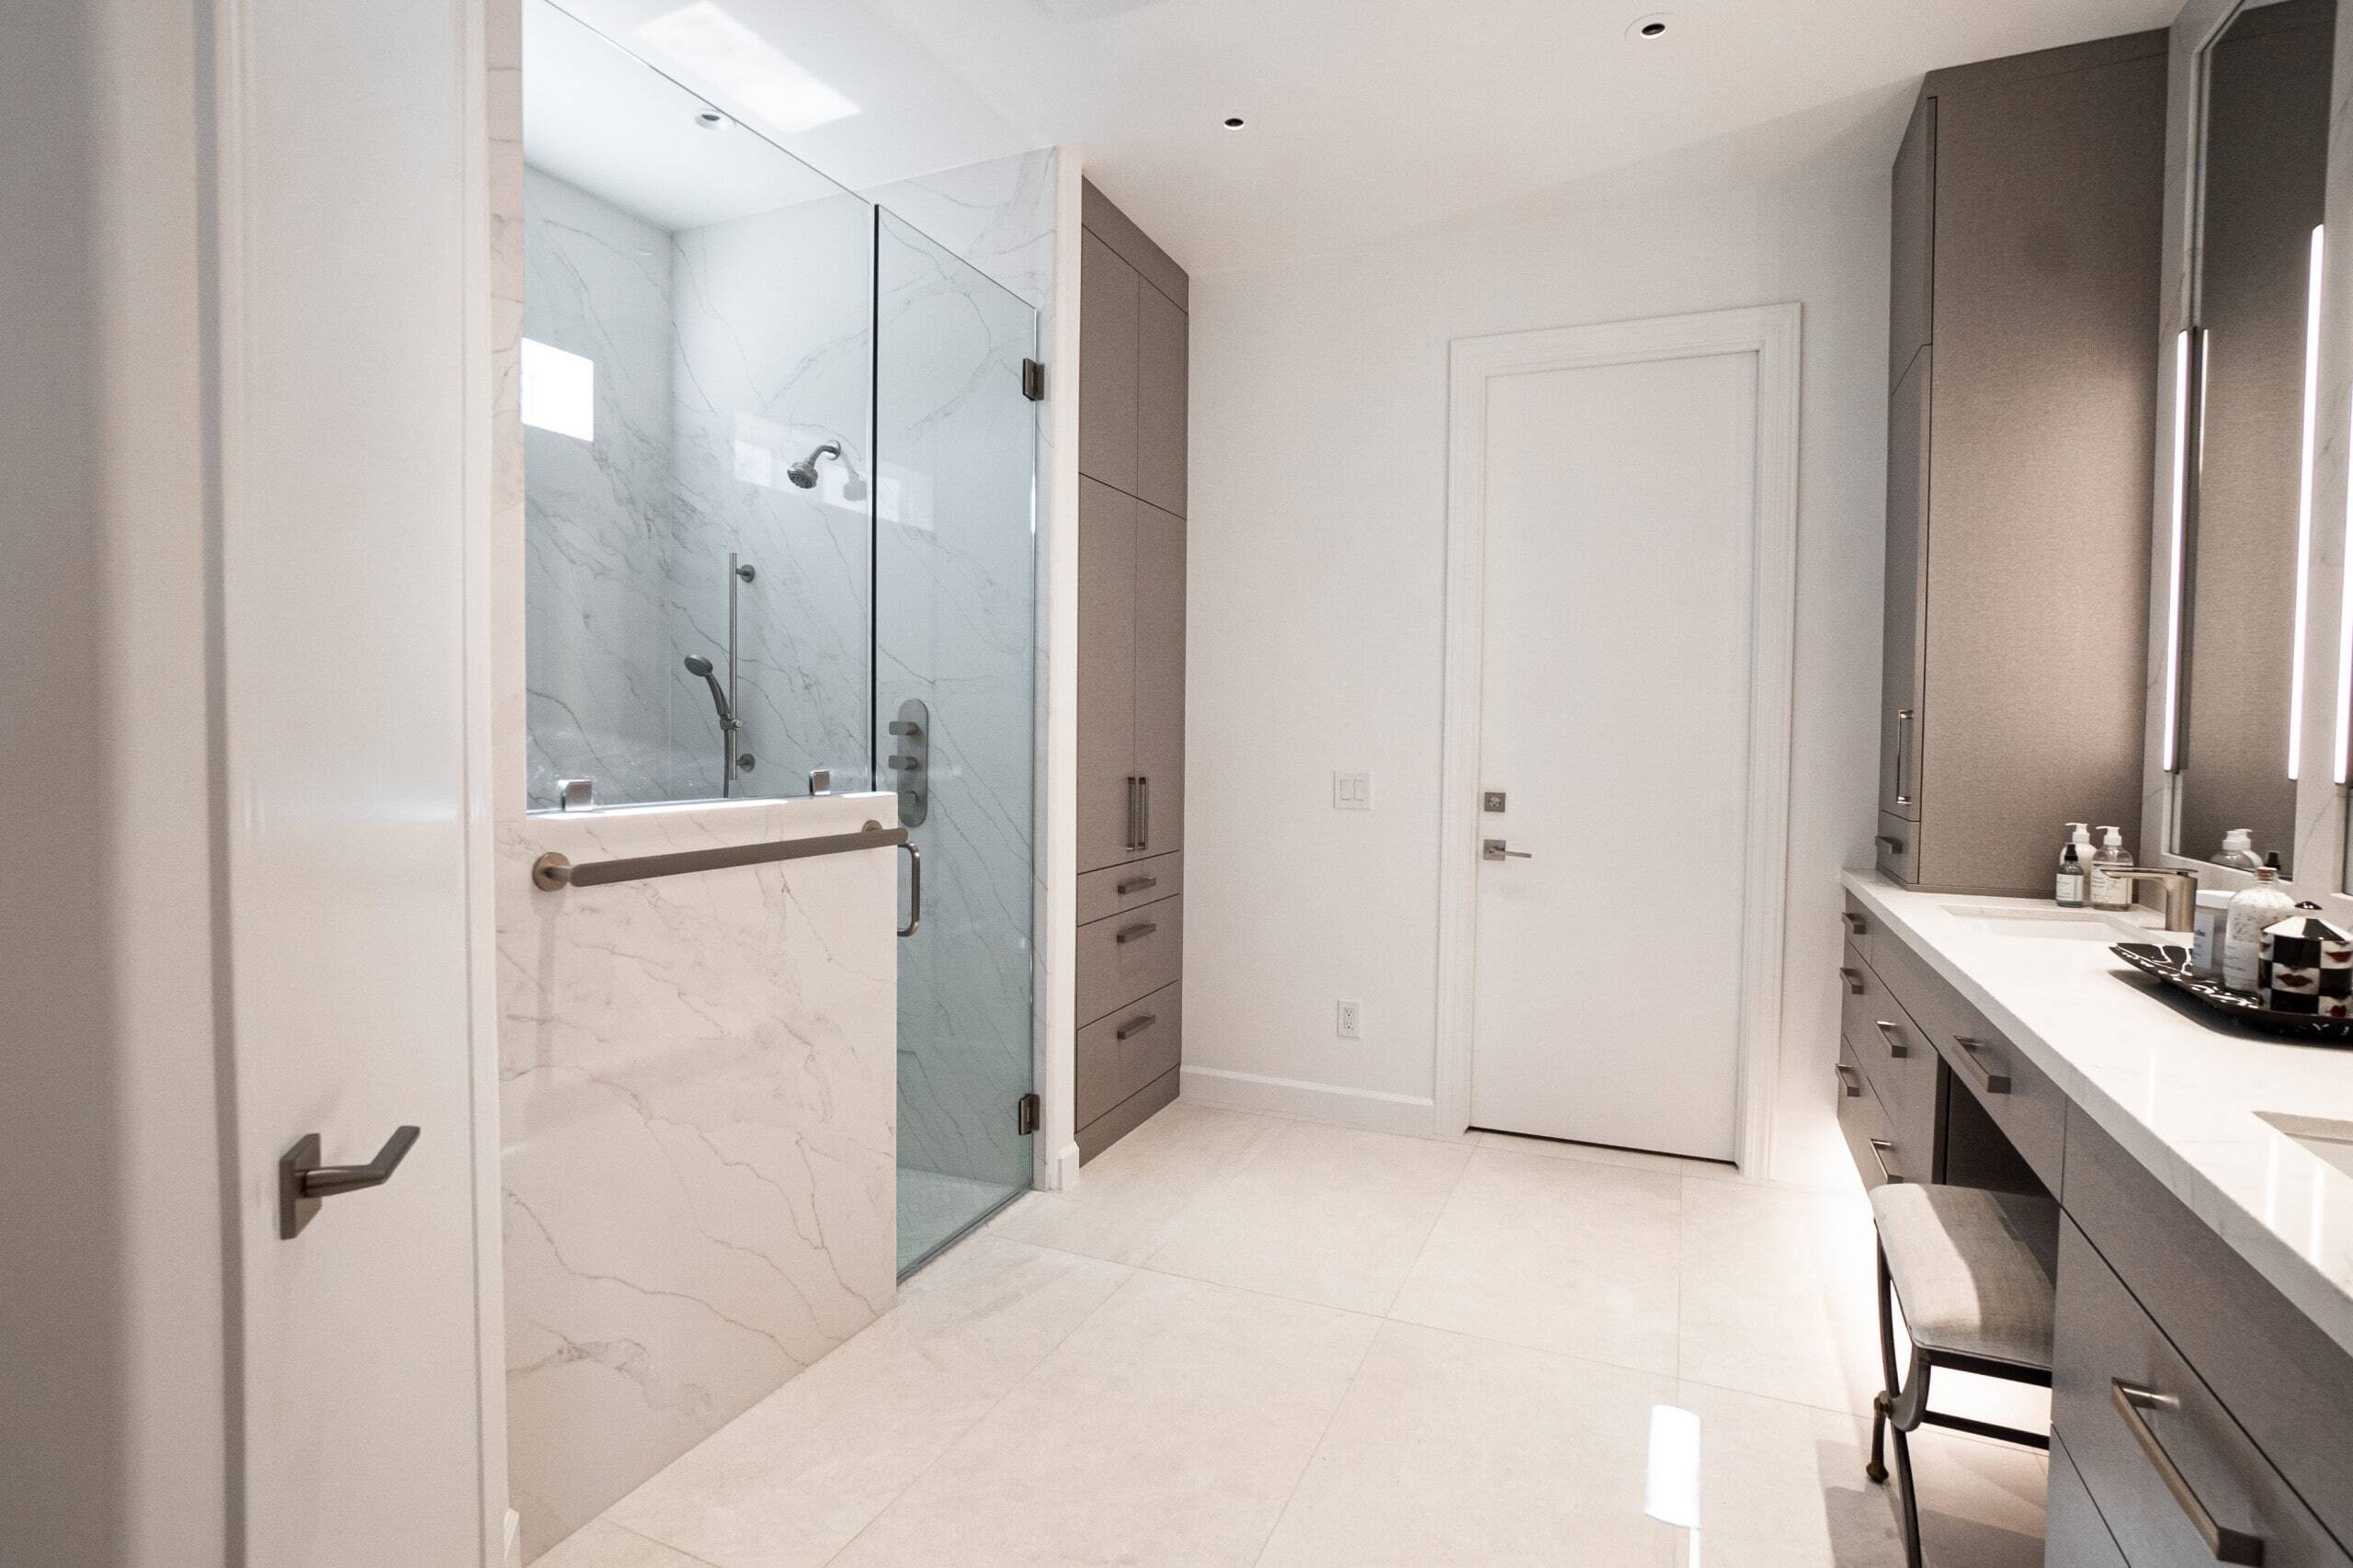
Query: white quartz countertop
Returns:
{"type": "Point", "coordinates": [2178, 1092]}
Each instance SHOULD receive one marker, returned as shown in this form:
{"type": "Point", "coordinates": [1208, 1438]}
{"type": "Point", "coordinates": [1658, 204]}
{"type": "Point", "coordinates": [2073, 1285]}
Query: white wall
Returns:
{"type": "Point", "coordinates": [1319, 412]}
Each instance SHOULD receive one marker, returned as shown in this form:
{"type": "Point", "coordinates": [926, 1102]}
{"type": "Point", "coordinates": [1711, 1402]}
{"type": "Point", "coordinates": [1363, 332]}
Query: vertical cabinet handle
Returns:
{"type": "Point", "coordinates": [915, 889]}
{"type": "Point", "coordinates": [2226, 1544]}
{"type": "Point", "coordinates": [1903, 750]}
{"type": "Point", "coordinates": [1143, 792]}
{"type": "Point", "coordinates": [1135, 812]}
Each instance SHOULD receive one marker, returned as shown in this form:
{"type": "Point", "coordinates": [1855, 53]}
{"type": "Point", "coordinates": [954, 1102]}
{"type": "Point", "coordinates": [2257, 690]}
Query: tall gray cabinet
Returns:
{"type": "Point", "coordinates": [1130, 676]}
{"type": "Point", "coordinates": [2022, 373]}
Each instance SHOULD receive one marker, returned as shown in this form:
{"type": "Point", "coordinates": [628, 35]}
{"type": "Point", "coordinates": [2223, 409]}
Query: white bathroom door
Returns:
{"type": "Point", "coordinates": [1615, 668]}
{"type": "Point", "coordinates": [352, 428]}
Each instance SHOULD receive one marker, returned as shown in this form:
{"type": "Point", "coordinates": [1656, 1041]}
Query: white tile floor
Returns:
{"type": "Point", "coordinates": [1245, 1340]}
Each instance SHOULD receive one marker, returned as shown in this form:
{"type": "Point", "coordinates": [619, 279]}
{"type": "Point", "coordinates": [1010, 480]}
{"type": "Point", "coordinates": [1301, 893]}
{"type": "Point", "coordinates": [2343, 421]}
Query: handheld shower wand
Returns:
{"type": "Point", "coordinates": [698, 665]}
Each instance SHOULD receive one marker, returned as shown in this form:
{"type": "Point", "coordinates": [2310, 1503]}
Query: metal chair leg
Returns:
{"type": "Point", "coordinates": [1911, 1505]}
{"type": "Point", "coordinates": [1884, 1404]}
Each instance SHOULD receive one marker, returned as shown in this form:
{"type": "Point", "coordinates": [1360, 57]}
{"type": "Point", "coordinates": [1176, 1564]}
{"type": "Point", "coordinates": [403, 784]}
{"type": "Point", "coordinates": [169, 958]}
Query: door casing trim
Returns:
{"type": "Point", "coordinates": [1772, 333]}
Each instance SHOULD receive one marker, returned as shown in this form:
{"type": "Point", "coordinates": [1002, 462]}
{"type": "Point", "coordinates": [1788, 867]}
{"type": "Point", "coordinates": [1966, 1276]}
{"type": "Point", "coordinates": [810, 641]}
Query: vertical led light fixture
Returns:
{"type": "Point", "coordinates": [2305, 501]}
{"type": "Point", "coordinates": [2174, 551]}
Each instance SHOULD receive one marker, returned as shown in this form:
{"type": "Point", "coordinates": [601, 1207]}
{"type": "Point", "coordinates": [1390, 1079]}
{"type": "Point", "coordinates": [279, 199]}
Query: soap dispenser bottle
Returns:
{"type": "Point", "coordinates": [2109, 890]}
{"type": "Point", "coordinates": [2073, 881]}
{"type": "Point", "coordinates": [2238, 850]}
{"type": "Point", "coordinates": [2258, 906]}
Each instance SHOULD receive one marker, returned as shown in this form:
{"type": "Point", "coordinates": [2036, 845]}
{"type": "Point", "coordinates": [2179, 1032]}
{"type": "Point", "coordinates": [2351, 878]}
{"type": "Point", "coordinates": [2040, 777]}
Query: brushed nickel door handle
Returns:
{"type": "Point", "coordinates": [303, 1183]}
{"type": "Point", "coordinates": [2226, 1544]}
{"type": "Point", "coordinates": [914, 888]}
{"type": "Point", "coordinates": [1499, 849]}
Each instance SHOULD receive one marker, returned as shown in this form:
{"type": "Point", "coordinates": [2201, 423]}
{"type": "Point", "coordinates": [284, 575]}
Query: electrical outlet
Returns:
{"type": "Point", "coordinates": [1352, 791]}
{"type": "Point", "coordinates": [1351, 1020]}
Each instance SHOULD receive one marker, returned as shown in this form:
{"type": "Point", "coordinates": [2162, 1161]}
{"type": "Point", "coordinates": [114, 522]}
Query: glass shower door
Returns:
{"type": "Point", "coordinates": [955, 695]}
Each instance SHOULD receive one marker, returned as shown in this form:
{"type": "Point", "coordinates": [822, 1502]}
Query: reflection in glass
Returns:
{"type": "Point", "coordinates": [2251, 436]}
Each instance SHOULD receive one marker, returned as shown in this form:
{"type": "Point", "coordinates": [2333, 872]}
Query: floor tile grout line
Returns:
{"type": "Point", "coordinates": [1322, 1435]}
{"type": "Point", "coordinates": [1454, 1189]}
{"type": "Point", "coordinates": [655, 1540]}
{"type": "Point", "coordinates": [1012, 1387]}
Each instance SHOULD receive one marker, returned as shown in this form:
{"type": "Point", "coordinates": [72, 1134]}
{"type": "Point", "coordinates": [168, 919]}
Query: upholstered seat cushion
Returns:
{"type": "Point", "coordinates": [1972, 1268]}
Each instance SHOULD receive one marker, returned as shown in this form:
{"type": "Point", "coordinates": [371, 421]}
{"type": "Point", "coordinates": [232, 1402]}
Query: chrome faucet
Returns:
{"type": "Point", "coordinates": [2180, 905]}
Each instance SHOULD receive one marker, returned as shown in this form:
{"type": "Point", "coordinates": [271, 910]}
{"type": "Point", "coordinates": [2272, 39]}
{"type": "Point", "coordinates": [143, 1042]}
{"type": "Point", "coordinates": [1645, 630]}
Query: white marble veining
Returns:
{"type": "Point", "coordinates": [697, 1093]}
{"type": "Point", "coordinates": [2179, 1094]}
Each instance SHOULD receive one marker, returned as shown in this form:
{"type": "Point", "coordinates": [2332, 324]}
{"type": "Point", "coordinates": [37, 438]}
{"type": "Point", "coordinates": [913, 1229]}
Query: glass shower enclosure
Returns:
{"type": "Point", "coordinates": [779, 502]}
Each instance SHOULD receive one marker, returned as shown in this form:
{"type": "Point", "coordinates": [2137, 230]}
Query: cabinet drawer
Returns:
{"type": "Point", "coordinates": [2026, 1105]}
{"type": "Point", "coordinates": [1129, 957]}
{"type": "Point", "coordinates": [1899, 848]}
{"type": "Point", "coordinates": [1112, 1068]}
{"type": "Point", "coordinates": [1894, 1052]}
{"type": "Point", "coordinates": [1864, 929]}
{"type": "Point", "coordinates": [2123, 1446]}
{"type": "Point", "coordinates": [1115, 889]}
{"type": "Point", "coordinates": [2285, 1382]}
{"type": "Point", "coordinates": [1862, 1121]}
{"type": "Point", "coordinates": [2074, 1535]}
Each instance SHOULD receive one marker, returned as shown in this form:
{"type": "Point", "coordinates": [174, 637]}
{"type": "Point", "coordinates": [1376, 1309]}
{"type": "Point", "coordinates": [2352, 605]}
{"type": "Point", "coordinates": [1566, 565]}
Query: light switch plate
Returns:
{"type": "Point", "coordinates": [1352, 791]}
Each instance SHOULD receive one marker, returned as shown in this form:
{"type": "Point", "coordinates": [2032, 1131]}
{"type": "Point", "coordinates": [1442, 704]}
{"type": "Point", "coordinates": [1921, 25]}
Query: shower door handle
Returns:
{"type": "Point", "coordinates": [915, 889]}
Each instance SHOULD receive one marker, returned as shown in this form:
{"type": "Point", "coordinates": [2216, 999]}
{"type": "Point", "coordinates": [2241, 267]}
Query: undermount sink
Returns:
{"type": "Point", "coordinates": [2331, 1141]}
{"type": "Point", "coordinates": [2053, 925]}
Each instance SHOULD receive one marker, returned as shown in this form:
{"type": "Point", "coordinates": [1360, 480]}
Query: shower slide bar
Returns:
{"type": "Point", "coordinates": [554, 869]}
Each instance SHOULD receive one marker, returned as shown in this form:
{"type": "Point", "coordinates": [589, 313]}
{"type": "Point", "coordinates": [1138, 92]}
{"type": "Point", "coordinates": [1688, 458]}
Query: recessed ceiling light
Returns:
{"type": "Point", "coordinates": [1644, 28]}
{"type": "Point", "coordinates": [1234, 123]}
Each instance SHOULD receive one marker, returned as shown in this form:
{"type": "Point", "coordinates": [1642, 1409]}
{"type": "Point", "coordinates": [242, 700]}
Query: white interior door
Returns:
{"type": "Point", "coordinates": [1620, 506]}
{"type": "Point", "coordinates": [352, 698]}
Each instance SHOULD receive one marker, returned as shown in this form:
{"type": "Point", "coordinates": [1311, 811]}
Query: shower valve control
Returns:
{"type": "Point", "coordinates": [911, 764]}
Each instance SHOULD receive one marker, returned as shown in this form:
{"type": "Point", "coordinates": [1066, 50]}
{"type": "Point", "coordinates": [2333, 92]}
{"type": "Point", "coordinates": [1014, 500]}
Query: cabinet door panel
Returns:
{"type": "Point", "coordinates": [1160, 676]}
{"type": "Point", "coordinates": [1912, 247]}
{"type": "Point", "coordinates": [1901, 713]}
{"type": "Point", "coordinates": [1107, 366]}
{"type": "Point", "coordinates": [1107, 672]}
{"type": "Point", "coordinates": [1160, 401]}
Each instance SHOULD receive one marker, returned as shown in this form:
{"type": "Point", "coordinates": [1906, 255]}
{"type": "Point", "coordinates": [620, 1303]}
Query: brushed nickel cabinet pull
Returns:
{"type": "Point", "coordinates": [1904, 717]}
{"type": "Point", "coordinates": [2226, 1544]}
{"type": "Point", "coordinates": [1854, 986]}
{"type": "Point", "coordinates": [1138, 885]}
{"type": "Point", "coordinates": [1854, 923]}
{"type": "Point", "coordinates": [1894, 845]}
{"type": "Point", "coordinates": [1880, 1150]}
{"type": "Point", "coordinates": [1987, 1080]}
{"type": "Point", "coordinates": [1134, 933]}
{"type": "Point", "coordinates": [1889, 1032]}
{"type": "Point", "coordinates": [1134, 1026]}
{"type": "Point", "coordinates": [1847, 1082]}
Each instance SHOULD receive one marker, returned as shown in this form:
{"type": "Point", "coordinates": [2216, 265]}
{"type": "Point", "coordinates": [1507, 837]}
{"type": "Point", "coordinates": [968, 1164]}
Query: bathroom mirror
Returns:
{"type": "Point", "coordinates": [2246, 429]}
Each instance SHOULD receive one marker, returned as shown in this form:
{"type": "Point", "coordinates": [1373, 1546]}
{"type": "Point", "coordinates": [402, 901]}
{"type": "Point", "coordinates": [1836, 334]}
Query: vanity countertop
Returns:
{"type": "Point", "coordinates": [2179, 1093]}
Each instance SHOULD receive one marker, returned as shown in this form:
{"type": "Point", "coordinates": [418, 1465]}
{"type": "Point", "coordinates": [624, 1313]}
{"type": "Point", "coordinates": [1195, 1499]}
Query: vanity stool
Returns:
{"type": "Point", "coordinates": [1973, 1271]}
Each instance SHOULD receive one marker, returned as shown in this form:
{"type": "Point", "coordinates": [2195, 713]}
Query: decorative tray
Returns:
{"type": "Point", "coordinates": [2172, 966]}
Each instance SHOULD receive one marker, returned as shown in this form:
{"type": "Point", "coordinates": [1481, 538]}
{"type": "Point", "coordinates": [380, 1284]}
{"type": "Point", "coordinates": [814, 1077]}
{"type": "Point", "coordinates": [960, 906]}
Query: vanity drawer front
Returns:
{"type": "Point", "coordinates": [1863, 928]}
{"type": "Point", "coordinates": [1862, 1121]}
{"type": "Point", "coordinates": [2074, 1535]}
{"type": "Point", "coordinates": [2025, 1104]}
{"type": "Point", "coordinates": [1894, 1052]}
{"type": "Point", "coordinates": [2284, 1380]}
{"type": "Point", "coordinates": [2106, 1343]}
{"type": "Point", "coordinates": [1899, 848]}
{"type": "Point", "coordinates": [1128, 956]}
{"type": "Point", "coordinates": [1118, 889]}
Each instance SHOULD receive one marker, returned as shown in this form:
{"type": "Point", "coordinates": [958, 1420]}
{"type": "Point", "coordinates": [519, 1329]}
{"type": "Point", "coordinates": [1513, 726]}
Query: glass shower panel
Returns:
{"type": "Point", "coordinates": [698, 379]}
{"type": "Point", "coordinates": [955, 700]}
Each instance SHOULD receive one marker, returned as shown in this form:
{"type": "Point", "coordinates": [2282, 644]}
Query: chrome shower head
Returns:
{"type": "Point", "coordinates": [804, 473]}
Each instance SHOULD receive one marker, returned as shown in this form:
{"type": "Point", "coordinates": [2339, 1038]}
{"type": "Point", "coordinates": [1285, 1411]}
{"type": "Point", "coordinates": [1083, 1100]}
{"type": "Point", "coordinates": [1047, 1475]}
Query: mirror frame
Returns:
{"type": "Point", "coordinates": [2322, 839]}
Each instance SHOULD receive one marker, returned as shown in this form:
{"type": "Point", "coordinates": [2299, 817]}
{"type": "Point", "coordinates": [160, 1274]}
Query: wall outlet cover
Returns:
{"type": "Point", "coordinates": [1352, 791]}
{"type": "Point", "coordinates": [1351, 1020]}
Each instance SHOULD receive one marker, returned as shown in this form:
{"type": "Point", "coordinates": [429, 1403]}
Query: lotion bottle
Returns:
{"type": "Point", "coordinates": [2109, 890]}
{"type": "Point", "coordinates": [2260, 905]}
{"type": "Point", "coordinates": [2238, 850]}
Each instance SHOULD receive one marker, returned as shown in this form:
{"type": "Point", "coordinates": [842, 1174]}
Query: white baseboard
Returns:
{"type": "Point", "coordinates": [1415, 1115]}
{"type": "Point", "coordinates": [514, 1540]}
{"type": "Point", "coordinates": [1066, 1168]}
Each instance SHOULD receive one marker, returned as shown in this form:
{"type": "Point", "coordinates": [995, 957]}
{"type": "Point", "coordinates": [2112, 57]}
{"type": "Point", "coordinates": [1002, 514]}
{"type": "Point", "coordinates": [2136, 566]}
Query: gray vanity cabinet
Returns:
{"type": "Point", "coordinates": [1131, 445]}
{"type": "Point", "coordinates": [2027, 201]}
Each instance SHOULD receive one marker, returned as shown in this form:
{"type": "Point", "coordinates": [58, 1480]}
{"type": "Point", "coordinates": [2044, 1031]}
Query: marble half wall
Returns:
{"type": "Point", "coordinates": [696, 1101]}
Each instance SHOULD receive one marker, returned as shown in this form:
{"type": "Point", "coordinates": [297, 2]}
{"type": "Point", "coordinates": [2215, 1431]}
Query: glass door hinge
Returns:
{"type": "Point", "coordinates": [1025, 1115]}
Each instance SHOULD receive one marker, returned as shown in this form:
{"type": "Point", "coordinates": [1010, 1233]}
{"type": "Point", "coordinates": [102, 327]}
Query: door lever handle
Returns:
{"type": "Point", "coordinates": [1499, 849]}
{"type": "Point", "coordinates": [303, 1183]}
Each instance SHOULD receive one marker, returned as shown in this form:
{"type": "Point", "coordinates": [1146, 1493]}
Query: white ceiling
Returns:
{"type": "Point", "coordinates": [1366, 117]}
